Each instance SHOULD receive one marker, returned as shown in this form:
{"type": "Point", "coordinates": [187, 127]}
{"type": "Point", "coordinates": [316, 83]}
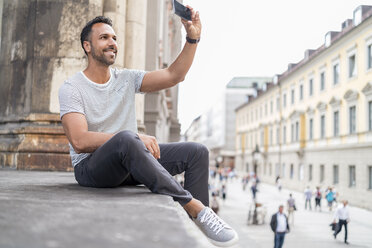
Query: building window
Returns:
{"type": "Point", "coordinates": [271, 106]}
{"type": "Point", "coordinates": [262, 138]}
{"type": "Point", "coordinates": [300, 172]}
{"type": "Point", "coordinates": [336, 124]}
{"type": "Point", "coordinates": [277, 169]}
{"type": "Point", "coordinates": [370, 115]}
{"type": "Point", "coordinates": [265, 109]}
{"type": "Point", "coordinates": [311, 87]}
{"type": "Point", "coordinates": [370, 177]}
{"type": "Point", "coordinates": [310, 172]}
{"type": "Point", "coordinates": [336, 73]}
{"type": "Point", "coordinates": [270, 169]}
{"type": "Point", "coordinates": [292, 133]}
{"type": "Point", "coordinates": [284, 135]}
{"type": "Point", "coordinates": [277, 135]}
{"type": "Point", "coordinates": [369, 56]}
{"type": "Point", "coordinates": [311, 129]}
{"type": "Point", "coordinates": [321, 176]}
{"type": "Point", "coordinates": [292, 96]}
{"type": "Point", "coordinates": [352, 178]}
{"type": "Point", "coordinates": [352, 66]}
{"type": "Point", "coordinates": [277, 104]}
{"type": "Point", "coordinates": [322, 81]}
{"type": "Point", "coordinates": [301, 92]}
{"type": "Point", "coordinates": [271, 136]}
{"type": "Point", "coordinates": [284, 100]}
{"type": "Point", "coordinates": [297, 130]}
{"type": "Point", "coordinates": [291, 171]}
{"type": "Point", "coordinates": [335, 174]}
{"type": "Point", "coordinates": [322, 126]}
{"type": "Point", "coordinates": [352, 120]}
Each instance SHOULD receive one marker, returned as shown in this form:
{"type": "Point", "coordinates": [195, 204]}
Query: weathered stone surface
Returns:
{"type": "Point", "coordinates": [49, 209]}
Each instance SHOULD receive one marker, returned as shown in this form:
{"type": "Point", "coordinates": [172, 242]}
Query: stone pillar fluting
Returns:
{"type": "Point", "coordinates": [40, 48]}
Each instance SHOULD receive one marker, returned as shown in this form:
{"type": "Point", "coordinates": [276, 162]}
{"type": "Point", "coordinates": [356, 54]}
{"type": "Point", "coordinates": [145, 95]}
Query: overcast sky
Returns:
{"type": "Point", "coordinates": [253, 38]}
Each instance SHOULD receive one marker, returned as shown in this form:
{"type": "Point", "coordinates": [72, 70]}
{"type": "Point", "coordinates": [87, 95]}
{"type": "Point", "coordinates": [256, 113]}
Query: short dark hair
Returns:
{"type": "Point", "coordinates": [85, 33]}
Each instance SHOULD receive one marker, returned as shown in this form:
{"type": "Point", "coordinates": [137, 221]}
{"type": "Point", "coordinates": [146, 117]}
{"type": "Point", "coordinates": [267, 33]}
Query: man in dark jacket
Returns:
{"type": "Point", "coordinates": [279, 225]}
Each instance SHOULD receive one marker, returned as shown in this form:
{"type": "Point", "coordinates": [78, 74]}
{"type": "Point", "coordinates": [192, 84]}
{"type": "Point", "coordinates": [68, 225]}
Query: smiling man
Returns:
{"type": "Point", "coordinates": [97, 108]}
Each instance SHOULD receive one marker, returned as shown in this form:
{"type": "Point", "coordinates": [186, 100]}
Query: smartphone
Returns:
{"type": "Point", "coordinates": [180, 10]}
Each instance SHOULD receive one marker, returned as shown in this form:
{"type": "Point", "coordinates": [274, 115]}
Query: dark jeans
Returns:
{"type": "Point", "coordinates": [339, 227]}
{"type": "Point", "coordinates": [124, 160]}
{"type": "Point", "coordinates": [279, 239]}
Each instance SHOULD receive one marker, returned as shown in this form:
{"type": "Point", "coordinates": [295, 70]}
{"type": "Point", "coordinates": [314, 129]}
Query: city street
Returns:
{"type": "Point", "coordinates": [311, 228]}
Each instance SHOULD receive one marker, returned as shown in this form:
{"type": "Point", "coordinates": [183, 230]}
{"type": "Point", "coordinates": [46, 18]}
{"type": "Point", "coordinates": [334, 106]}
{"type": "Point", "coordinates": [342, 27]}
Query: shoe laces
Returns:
{"type": "Point", "coordinates": [212, 220]}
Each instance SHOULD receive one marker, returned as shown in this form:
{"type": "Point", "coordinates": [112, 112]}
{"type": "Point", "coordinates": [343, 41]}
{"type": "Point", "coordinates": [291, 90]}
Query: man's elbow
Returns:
{"type": "Point", "coordinates": [78, 147]}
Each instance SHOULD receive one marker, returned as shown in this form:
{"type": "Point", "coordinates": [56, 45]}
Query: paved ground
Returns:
{"type": "Point", "coordinates": [49, 209]}
{"type": "Point", "coordinates": [311, 228]}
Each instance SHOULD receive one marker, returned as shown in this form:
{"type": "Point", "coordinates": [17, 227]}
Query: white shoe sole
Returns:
{"type": "Point", "coordinates": [225, 244]}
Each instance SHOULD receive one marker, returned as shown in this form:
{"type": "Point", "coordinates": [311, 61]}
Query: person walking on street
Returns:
{"type": "Point", "coordinates": [215, 205]}
{"type": "Point", "coordinates": [318, 198]}
{"type": "Point", "coordinates": [254, 190]}
{"type": "Point", "coordinates": [308, 195]}
{"type": "Point", "coordinates": [330, 198]}
{"type": "Point", "coordinates": [279, 225]}
{"type": "Point", "coordinates": [343, 217]}
{"type": "Point", "coordinates": [291, 204]}
{"type": "Point", "coordinates": [97, 110]}
{"type": "Point", "coordinates": [278, 182]}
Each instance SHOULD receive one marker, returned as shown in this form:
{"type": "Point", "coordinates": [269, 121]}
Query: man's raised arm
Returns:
{"type": "Point", "coordinates": [176, 72]}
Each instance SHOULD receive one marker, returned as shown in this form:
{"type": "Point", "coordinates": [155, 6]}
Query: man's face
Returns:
{"type": "Point", "coordinates": [103, 46]}
{"type": "Point", "coordinates": [281, 209]}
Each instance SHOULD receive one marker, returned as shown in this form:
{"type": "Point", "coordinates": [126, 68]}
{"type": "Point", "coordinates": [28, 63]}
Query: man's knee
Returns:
{"type": "Point", "coordinates": [125, 138]}
{"type": "Point", "coordinates": [199, 152]}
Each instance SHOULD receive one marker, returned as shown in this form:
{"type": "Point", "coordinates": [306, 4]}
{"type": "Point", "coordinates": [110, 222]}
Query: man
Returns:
{"type": "Point", "coordinates": [279, 225]}
{"type": "Point", "coordinates": [291, 204]}
{"type": "Point", "coordinates": [308, 194]}
{"type": "Point", "coordinates": [97, 108]}
{"type": "Point", "coordinates": [318, 198]}
{"type": "Point", "coordinates": [342, 214]}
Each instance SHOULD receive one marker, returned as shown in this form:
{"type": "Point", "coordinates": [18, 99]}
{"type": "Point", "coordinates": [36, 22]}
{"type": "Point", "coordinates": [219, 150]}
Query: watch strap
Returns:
{"type": "Point", "coordinates": [192, 41]}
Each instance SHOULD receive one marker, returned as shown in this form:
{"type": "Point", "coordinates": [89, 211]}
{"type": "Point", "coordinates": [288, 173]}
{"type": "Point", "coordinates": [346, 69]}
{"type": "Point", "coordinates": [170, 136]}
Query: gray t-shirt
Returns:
{"type": "Point", "coordinates": [108, 107]}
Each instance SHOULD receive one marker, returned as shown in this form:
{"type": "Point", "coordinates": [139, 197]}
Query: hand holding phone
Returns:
{"type": "Point", "coordinates": [181, 10]}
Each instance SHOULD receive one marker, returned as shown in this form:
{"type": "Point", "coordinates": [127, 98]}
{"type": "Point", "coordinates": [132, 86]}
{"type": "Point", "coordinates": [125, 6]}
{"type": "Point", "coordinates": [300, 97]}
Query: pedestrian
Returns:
{"type": "Point", "coordinates": [97, 109]}
{"type": "Point", "coordinates": [279, 183]}
{"type": "Point", "coordinates": [223, 191]}
{"type": "Point", "coordinates": [330, 197]}
{"type": "Point", "coordinates": [308, 194]}
{"type": "Point", "coordinates": [254, 190]}
{"type": "Point", "coordinates": [215, 205]}
{"type": "Point", "coordinates": [279, 225]}
{"type": "Point", "coordinates": [318, 198]}
{"type": "Point", "coordinates": [343, 217]}
{"type": "Point", "coordinates": [291, 205]}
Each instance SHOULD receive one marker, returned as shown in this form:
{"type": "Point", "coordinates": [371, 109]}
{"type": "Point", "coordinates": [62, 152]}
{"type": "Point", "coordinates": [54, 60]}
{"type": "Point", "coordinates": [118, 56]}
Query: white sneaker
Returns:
{"type": "Point", "coordinates": [216, 230]}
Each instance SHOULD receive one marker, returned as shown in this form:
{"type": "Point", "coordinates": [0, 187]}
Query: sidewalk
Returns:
{"type": "Point", "coordinates": [311, 228]}
{"type": "Point", "coordinates": [49, 209]}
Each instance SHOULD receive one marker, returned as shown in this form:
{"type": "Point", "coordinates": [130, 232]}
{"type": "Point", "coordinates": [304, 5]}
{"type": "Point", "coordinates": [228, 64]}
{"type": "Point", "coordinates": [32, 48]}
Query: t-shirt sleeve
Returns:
{"type": "Point", "coordinates": [137, 76]}
{"type": "Point", "coordinates": [70, 100]}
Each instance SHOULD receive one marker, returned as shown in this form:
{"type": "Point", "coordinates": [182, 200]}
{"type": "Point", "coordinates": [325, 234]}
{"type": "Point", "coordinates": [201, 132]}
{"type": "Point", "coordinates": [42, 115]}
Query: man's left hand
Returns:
{"type": "Point", "coordinates": [193, 27]}
{"type": "Point", "coordinates": [151, 144]}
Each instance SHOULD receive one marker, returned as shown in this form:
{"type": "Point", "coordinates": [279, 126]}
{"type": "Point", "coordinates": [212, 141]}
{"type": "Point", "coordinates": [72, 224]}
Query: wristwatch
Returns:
{"type": "Point", "coordinates": [192, 41]}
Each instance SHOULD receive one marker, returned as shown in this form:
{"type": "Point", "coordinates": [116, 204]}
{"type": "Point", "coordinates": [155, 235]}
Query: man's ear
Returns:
{"type": "Point", "coordinates": [87, 46]}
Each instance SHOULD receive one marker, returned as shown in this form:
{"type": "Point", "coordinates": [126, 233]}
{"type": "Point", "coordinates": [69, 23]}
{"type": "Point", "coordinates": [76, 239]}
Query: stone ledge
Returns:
{"type": "Point", "coordinates": [49, 209]}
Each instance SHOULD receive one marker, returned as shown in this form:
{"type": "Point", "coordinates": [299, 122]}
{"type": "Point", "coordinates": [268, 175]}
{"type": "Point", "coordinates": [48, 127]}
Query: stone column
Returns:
{"type": "Point", "coordinates": [135, 43]}
{"type": "Point", "coordinates": [40, 48]}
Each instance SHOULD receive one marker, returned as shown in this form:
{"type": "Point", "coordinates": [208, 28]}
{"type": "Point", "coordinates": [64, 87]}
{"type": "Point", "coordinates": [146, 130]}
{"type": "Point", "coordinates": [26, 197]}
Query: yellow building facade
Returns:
{"type": "Point", "coordinates": [313, 125]}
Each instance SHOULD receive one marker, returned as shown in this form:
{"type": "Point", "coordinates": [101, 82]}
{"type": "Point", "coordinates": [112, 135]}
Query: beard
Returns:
{"type": "Point", "coordinates": [102, 58]}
